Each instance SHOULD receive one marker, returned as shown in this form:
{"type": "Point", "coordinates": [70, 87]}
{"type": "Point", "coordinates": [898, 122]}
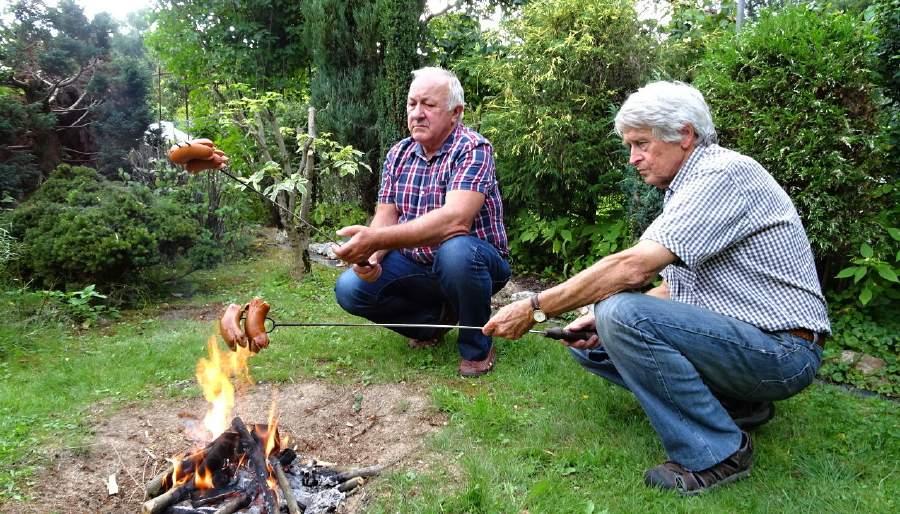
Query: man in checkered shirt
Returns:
{"type": "Point", "coordinates": [436, 249]}
{"type": "Point", "coordinates": [738, 320]}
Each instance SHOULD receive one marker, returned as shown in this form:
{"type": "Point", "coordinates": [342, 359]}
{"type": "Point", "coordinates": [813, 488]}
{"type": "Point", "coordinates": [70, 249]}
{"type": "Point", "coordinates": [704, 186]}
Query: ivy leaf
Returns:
{"type": "Point", "coordinates": [866, 251]}
{"type": "Point", "coordinates": [894, 232]}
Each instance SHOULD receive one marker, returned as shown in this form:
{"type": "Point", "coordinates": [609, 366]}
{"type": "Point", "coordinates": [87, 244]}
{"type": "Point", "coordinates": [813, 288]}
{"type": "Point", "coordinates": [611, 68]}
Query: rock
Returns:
{"type": "Point", "coordinates": [849, 357]}
{"type": "Point", "coordinates": [868, 365]}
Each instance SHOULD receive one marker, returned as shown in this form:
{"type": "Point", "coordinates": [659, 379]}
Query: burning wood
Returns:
{"type": "Point", "coordinates": [246, 467]}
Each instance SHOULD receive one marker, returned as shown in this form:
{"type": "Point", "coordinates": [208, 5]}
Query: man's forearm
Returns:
{"type": "Point", "coordinates": [626, 270]}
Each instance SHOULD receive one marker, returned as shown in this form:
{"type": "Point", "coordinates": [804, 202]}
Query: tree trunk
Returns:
{"type": "Point", "coordinates": [301, 250]}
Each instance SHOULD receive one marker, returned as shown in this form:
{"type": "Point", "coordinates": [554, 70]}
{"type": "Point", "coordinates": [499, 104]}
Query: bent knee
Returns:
{"type": "Point", "coordinates": [346, 291]}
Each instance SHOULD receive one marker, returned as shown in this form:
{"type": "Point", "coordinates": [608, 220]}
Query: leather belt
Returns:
{"type": "Point", "coordinates": [809, 335]}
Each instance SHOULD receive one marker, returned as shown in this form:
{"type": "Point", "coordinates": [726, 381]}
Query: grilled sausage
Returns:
{"type": "Point", "coordinates": [182, 153]}
{"type": "Point", "coordinates": [215, 162]}
{"type": "Point", "coordinates": [255, 325]}
{"type": "Point", "coordinates": [230, 327]}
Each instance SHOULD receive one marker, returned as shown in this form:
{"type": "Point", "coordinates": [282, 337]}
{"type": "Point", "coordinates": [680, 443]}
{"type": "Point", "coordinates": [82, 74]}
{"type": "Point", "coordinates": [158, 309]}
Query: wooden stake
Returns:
{"type": "Point", "coordinates": [162, 502]}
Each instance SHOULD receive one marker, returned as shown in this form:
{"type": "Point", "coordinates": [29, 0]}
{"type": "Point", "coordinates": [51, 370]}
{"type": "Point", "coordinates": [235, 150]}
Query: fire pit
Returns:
{"type": "Point", "coordinates": [246, 470]}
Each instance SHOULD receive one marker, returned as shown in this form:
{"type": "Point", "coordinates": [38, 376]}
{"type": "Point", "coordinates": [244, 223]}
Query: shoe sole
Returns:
{"type": "Point", "coordinates": [751, 422]}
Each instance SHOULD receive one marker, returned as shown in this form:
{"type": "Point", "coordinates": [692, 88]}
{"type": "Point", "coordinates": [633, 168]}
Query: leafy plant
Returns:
{"type": "Point", "coordinates": [874, 275]}
{"type": "Point", "coordinates": [81, 306]}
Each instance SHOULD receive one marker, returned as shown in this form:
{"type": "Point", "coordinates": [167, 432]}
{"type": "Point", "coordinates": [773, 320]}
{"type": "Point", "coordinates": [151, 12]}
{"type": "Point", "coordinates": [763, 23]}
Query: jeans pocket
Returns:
{"type": "Point", "coordinates": [798, 370]}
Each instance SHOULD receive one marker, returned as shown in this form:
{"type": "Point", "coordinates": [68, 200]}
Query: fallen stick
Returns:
{"type": "Point", "coordinates": [369, 471]}
{"type": "Point", "coordinates": [351, 484]}
{"type": "Point", "coordinates": [292, 506]}
{"type": "Point", "coordinates": [162, 502]}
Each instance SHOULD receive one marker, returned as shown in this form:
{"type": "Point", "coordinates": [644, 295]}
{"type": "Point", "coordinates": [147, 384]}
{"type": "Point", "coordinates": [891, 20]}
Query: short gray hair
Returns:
{"type": "Point", "coordinates": [455, 94]}
{"type": "Point", "coordinates": [665, 108]}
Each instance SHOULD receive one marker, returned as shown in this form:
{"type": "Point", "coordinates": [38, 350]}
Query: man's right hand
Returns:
{"type": "Point", "coordinates": [369, 272]}
{"type": "Point", "coordinates": [585, 323]}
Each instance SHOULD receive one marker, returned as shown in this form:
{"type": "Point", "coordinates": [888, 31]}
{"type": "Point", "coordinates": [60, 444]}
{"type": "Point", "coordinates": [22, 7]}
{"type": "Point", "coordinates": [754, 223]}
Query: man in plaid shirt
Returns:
{"type": "Point", "coordinates": [436, 249]}
{"type": "Point", "coordinates": [738, 320]}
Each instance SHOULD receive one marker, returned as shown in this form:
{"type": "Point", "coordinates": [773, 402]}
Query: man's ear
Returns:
{"type": "Point", "coordinates": [688, 136]}
{"type": "Point", "coordinates": [457, 113]}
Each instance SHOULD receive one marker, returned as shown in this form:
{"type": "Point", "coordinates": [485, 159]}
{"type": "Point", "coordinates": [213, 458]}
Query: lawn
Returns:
{"type": "Point", "coordinates": [536, 435]}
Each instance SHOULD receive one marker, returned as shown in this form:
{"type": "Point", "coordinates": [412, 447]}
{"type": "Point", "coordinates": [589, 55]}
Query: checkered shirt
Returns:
{"type": "Point", "coordinates": [416, 185]}
{"type": "Point", "coordinates": [741, 247]}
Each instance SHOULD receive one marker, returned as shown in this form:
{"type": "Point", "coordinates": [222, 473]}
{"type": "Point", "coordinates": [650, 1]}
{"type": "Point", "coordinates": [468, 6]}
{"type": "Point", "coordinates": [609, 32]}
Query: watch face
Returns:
{"type": "Point", "coordinates": [539, 316]}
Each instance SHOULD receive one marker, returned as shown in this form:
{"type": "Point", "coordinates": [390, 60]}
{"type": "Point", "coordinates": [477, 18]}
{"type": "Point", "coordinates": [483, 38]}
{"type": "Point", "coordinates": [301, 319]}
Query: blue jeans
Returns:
{"type": "Point", "coordinates": [466, 272]}
{"type": "Point", "coordinates": [679, 359]}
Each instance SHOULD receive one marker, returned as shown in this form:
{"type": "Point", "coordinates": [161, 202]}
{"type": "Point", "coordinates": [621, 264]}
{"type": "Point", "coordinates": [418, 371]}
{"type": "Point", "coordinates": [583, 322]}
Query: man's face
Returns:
{"type": "Point", "coordinates": [656, 161]}
{"type": "Point", "coordinates": [427, 116]}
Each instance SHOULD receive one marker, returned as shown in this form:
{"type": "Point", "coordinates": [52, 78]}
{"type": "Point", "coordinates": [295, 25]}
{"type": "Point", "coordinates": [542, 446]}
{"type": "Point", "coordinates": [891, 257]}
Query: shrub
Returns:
{"type": "Point", "coordinates": [80, 229]}
{"type": "Point", "coordinates": [795, 91]}
{"type": "Point", "coordinates": [571, 67]}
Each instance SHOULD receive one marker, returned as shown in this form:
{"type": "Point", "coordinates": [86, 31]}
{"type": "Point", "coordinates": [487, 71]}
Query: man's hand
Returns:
{"type": "Point", "coordinates": [585, 323]}
{"type": "Point", "coordinates": [511, 321]}
{"type": "Point", "coordinates": [362, 244]}
{"type": "Point", "coordinates": [369, 272]}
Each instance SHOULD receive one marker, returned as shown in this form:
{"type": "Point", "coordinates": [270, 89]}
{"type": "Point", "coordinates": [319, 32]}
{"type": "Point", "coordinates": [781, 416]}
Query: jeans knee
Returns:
{"type": "Point", "coordinates": [455, 258]}
{"type": "Point", "coordinates": [346, 291]}
{"type": "Point", "coordinates": [617, 312]}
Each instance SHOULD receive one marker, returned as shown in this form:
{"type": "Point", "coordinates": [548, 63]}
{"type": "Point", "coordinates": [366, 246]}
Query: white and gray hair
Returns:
{"type": "Point", "coordinates": [666, 108]}
{"type": "Point", "coordinates": [455, 94]}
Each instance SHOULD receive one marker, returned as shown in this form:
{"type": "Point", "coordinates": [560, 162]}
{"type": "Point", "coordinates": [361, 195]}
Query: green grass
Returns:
{"type": "Point", "coordinates": [538, 434]}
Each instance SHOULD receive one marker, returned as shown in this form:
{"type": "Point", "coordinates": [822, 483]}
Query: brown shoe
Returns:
{"type": "Point", "coordinates": [477, 368]}
{"type": "Point", "coordinates": [673, 475]}
{"type": "Point", "coordinates": [420, 344]}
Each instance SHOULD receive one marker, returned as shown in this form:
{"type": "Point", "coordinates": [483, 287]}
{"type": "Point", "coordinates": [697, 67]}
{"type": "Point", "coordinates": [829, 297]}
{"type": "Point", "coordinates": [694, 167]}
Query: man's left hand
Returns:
{"type": "Point", "coordinates": [360, 247]}
{"type": "Point", "coordinates": [511, 322]}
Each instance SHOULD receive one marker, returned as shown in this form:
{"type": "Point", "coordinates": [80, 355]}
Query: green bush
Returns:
{"type": "Point", "coordinates": [80, 229]}
{"type": "Point", "coordinates": [571, 66]}
{"type": "Point", "coordinates": [796, 91]}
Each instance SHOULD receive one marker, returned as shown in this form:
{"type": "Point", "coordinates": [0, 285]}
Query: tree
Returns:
{"type": "Point", "coordinates": [363, 52]}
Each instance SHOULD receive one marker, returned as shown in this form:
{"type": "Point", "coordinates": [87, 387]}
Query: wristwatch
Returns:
{"type": "Point", "coordinates": [537, 314]}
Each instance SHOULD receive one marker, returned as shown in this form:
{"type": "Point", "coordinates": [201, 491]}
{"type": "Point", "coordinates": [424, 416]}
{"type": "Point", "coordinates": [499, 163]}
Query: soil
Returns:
{"type": "Point", "coordinates": [348, 425]}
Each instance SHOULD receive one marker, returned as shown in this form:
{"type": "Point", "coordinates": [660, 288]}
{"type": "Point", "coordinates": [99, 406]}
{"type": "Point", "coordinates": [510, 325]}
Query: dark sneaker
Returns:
{"type": "Point", "coordinates": [478, 368]}
{"type": "Point", "coordinates": [749, 415]}
{"type": "Point", "coordinates": [672, 475]}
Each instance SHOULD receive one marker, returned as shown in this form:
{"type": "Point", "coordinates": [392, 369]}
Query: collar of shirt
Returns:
{"type": "Point", "coordinates": [685, 169]}
{"type": "Point", "coordinates": [454, 135]}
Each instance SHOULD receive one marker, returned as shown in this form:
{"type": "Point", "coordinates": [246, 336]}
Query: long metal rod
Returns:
{"type": "Point", "coordinates": [385, 325]}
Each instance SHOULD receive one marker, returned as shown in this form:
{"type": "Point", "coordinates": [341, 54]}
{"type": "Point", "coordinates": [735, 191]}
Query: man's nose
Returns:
{"type": "Point", "coordinates": [635, 156]}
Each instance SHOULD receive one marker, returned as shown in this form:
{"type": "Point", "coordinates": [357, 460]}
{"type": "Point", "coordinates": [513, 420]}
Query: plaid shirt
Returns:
{"type": "Point", "coordinates": [416, 185]}
{"type": "Point", "coordinates": [741, 246]}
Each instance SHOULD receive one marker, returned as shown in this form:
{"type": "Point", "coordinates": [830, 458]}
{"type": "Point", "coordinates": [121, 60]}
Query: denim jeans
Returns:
{"type": "Point", "coordinates": [678, 359]}
{"type": "Point", "coordinates": [466, 272]}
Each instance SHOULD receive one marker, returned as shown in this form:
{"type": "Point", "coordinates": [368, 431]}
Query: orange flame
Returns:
{"type": "Point", "coordinates": [214, 375]}
{"type": "Point", "coordinates": [203, 478]}
{"type": "Point", "coordinates": [271, 431]}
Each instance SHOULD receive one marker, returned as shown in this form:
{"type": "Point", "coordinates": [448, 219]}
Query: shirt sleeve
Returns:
{"type": "Point", "coordinates": [702, 218]}
{"type": "Point", "coordinates": [473, 170]}
{"type": "Point", "coordinates": [386, 193]}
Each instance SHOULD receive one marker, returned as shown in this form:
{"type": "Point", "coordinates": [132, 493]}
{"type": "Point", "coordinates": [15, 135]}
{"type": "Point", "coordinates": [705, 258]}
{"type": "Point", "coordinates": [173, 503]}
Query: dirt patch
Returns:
{"type": "Point", "coordinates": [208, 312]}
{"type": "Point", "coordinates": [348, 425]}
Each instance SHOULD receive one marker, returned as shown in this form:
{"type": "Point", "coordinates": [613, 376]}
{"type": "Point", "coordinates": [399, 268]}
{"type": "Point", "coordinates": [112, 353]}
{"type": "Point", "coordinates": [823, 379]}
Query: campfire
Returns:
{"type": "Point", "coordinates": [244, 467]}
